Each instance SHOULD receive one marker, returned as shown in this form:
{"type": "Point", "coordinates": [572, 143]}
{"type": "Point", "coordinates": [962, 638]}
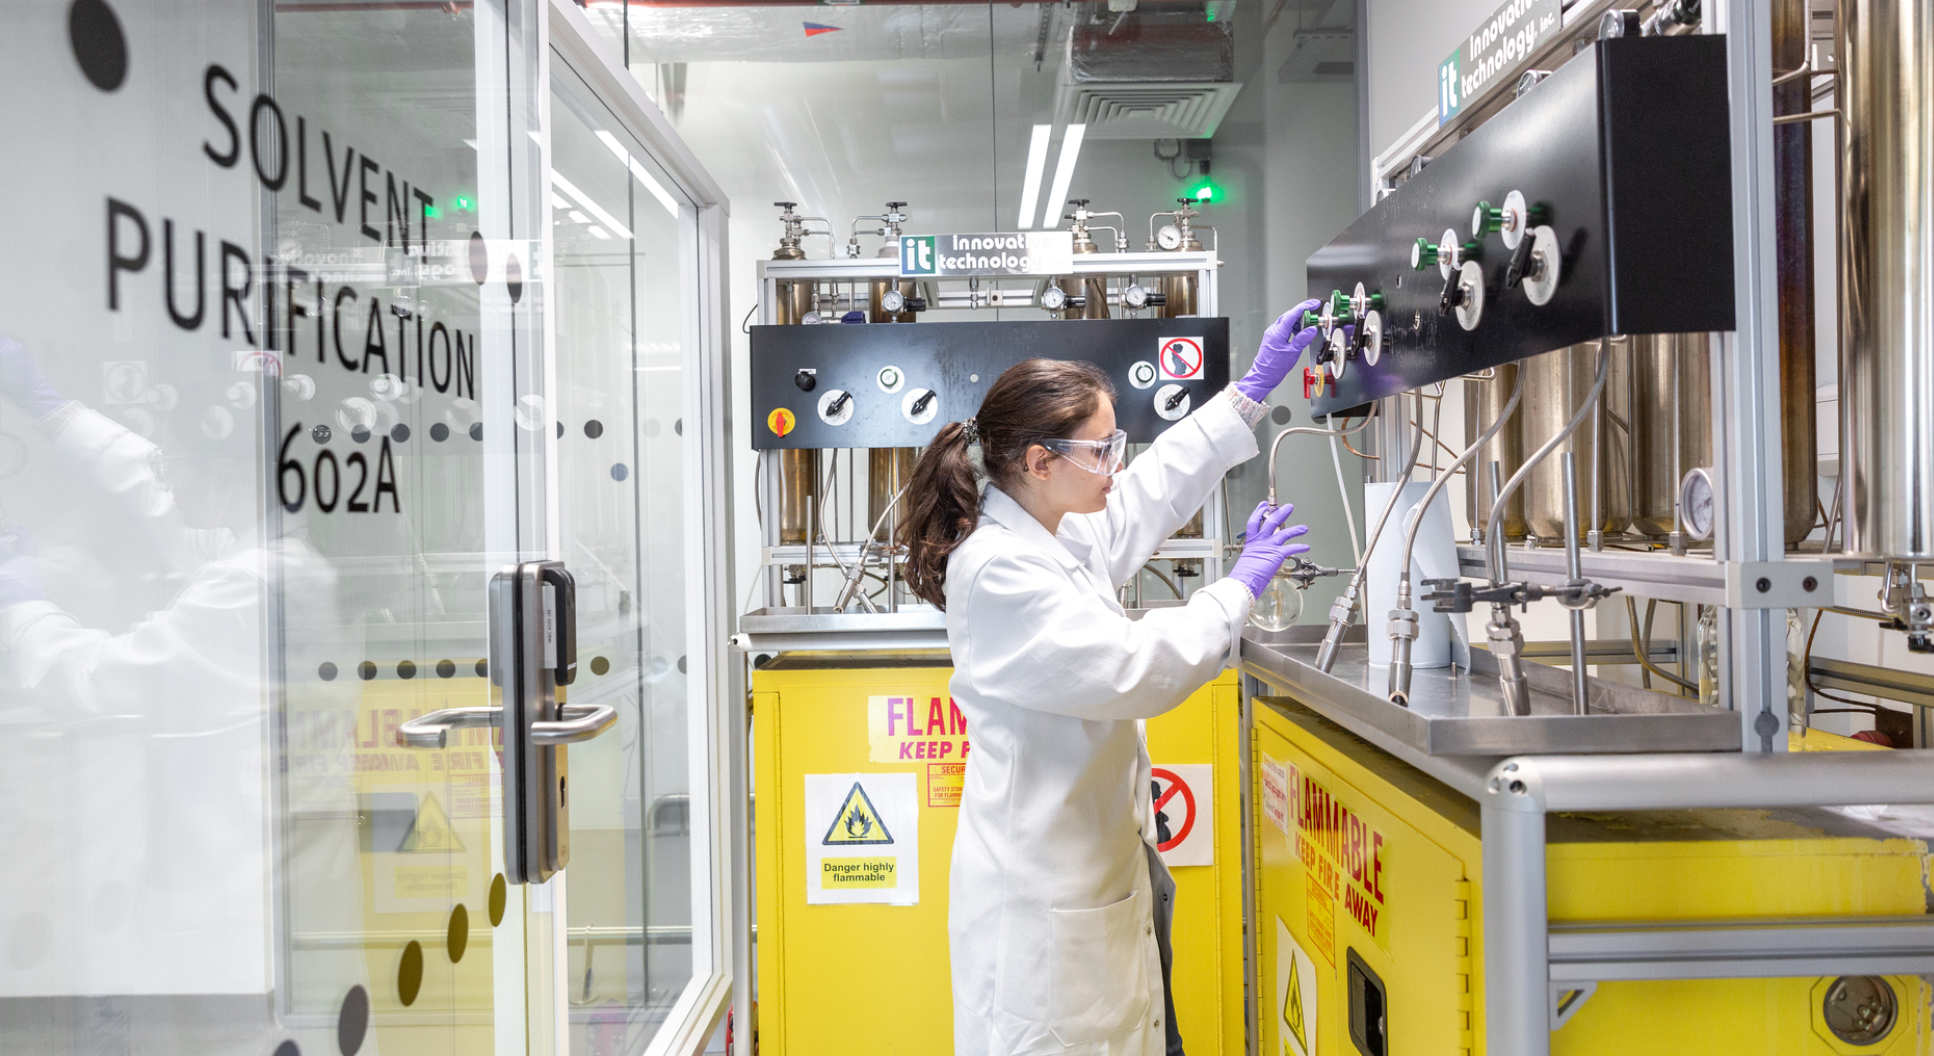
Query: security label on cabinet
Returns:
{"type": "Point", "coordinates": [1184, 829]}
{"type": "Point", "coordinates": [1275, 794]}
{"type": "Point", "coordinates": [1180, 358]}
{"type": "Point", "coordinates": [862, 836]}
{"type": "Point", "coordinates": [1295, 994]}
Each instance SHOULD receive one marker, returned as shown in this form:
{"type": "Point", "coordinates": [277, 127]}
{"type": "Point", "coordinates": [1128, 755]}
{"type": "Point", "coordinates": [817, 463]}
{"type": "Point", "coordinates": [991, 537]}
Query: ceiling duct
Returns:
{"type": "Point", "coordinates": [1148, 76]}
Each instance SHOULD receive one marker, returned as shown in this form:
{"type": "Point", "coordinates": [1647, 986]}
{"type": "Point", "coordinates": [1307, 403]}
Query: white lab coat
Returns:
{"type": "Point", "coordinates": [1050, 921]}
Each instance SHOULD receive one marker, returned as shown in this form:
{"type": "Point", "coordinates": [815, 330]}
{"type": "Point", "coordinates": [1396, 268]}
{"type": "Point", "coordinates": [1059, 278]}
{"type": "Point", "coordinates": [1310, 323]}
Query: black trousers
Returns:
{"type": "Point", "coordinates": [1164, 887]}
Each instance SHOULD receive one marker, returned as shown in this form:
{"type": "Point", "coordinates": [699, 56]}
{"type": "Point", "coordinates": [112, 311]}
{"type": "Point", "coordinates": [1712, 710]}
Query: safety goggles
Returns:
{"type": "Point", "coordinates": [1103, 457]}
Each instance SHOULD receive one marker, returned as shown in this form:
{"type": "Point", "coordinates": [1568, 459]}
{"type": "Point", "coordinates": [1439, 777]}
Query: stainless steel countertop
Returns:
{"type": "Point", "coordinates": [1458, 712]}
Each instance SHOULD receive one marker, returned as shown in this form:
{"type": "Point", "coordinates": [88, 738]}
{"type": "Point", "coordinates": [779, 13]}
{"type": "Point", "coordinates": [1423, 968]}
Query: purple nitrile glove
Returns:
{"type": "Point", "coordinates": [22, 382]}
{"type": "Point", "coordinates": [18, 579]}
{"type": "Point", "coordinates": [1282, 345]}
{"type": "Point", "coordinates": [1269, 541]}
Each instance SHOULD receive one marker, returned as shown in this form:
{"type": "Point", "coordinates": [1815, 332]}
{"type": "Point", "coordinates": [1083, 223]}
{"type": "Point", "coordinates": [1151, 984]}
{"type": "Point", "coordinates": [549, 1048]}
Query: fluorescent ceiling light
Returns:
{"type": "Point", "coordinates": [598, 232]}
{"type": "Point", "coordinates": [1063, 174]}
{"type": "Point", "coordinates": [578, 217]}
{"type": "Point", "coordinates": [571, 191]}
{"type": "Point", "coordinates": [643, 174]}
{"type": "Point", "coordinates": [1037, 159]}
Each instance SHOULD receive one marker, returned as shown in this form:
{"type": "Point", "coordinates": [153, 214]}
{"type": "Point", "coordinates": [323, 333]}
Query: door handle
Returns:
{"type": "Point", "coordinates": [533, 652]}
{"type": "Point", "coordinates": [432, 729]}
{"type": "Point", "coordinates": [579, 722]}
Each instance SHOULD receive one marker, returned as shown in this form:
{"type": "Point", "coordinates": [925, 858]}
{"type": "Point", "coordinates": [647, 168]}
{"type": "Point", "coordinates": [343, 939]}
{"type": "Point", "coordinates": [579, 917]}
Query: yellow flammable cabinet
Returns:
{"type": "Point", "coordinates": [1369, 937]}
{"type": "Point", "coordinates": [857, 770]}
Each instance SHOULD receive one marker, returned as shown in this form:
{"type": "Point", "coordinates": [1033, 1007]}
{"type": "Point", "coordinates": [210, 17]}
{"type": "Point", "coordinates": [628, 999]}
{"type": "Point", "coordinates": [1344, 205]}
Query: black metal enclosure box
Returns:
{"type": "Point", "coordinates": [1627, 149]}
{"type": "Point", "coordinates": [886, 367]}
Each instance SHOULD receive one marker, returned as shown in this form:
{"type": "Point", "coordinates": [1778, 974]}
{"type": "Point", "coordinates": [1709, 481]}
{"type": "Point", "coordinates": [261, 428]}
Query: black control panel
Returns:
{"type": "Point", "coordinates": [1598, 203]}
{"type": "Point", "coordinates": [895, 384]}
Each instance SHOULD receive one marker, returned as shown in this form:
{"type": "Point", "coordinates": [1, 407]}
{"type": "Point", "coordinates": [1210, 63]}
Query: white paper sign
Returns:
{"type": "Point", "coordinates": [1296, 1003]}
{"type": "Point", "coordinates": [1184, 822]}
{"type": "Point", "coordinates": [862, 839]}
{"type": "Point", "coordinates": [1275, 794]}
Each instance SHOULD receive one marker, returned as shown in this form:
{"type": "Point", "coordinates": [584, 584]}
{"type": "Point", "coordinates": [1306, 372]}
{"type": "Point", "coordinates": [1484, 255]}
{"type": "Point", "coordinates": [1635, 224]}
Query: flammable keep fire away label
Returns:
{"type": "Point", "coordinates": [862, 837]}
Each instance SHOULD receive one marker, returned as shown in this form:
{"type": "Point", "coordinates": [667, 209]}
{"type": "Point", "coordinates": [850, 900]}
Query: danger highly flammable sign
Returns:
{"type": "Point", "coordinates": [862, 836]}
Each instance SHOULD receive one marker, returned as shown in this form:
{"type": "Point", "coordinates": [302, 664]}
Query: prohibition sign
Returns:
{"type": "Point", "coordinates": [1180, 358]}
{"type": "Point", "coordinates": [1172, 785]}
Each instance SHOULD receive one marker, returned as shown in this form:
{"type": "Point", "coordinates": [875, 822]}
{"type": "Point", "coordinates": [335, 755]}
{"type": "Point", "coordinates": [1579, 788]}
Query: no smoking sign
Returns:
{"type": "Point", "coordinates": [1184, 825]}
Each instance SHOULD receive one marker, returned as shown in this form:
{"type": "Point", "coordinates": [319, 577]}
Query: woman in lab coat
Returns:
{"type": "Point", "coordinates": [1056, 895]}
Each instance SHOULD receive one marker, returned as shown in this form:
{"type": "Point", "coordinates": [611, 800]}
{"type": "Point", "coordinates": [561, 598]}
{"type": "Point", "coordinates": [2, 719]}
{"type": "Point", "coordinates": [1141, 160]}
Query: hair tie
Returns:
{"type": "Point", "coordinates": [971, 430]}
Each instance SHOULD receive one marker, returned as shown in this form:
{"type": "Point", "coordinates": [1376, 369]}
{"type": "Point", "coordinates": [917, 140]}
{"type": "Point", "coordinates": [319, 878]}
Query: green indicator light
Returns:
{"type": "Point", "coordinates": [1204, 193]}
{"type": "Point", "coordinates": [462, 203]}
{"type": "Point", "coordinates": [432, 212]}
{"type": "Point", "coordinates": [1210, 12]}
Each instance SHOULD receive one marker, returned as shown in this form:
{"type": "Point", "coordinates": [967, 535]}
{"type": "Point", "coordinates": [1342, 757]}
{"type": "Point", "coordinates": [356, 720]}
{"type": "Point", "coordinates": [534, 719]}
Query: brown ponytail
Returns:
{"type": "Point", "coordinates": [1032, 401]}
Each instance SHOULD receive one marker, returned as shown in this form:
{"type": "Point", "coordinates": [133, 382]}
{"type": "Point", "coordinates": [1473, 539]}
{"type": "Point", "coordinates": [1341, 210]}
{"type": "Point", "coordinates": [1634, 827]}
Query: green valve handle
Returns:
{"type": "Point", "coordinates": [1308, 320]}
{"type": "Point", "coordinates": [1339, 304]}
{"type": "Point", "coordinates": [1485, 219]}
{"type": "Point", "coordinates": [1423, 254]}
{"type": "Point", "coordinates": [1538, 213]}
{"type": "Point", "coordinates": [1472, 251]}
{"type": "Point", "coordinates": [1374, 302]}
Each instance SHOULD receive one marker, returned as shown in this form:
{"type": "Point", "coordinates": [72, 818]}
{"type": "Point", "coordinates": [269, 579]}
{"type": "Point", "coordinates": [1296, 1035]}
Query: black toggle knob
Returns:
{"type": "Point", "coordinates": [839, 403]}
{"type": "Point", "coordinates": [806, 380]}
{"type": "Point", "coordinates": [1175, 399]}
{"type": "Point", "coordinates": [1454, 294]}
{"type": "Point", "coordinates": [920, 405]}
{"type": "Point", "coordinates": [1156, 300]}
{"type": "Point", "coordinates": [916, 304]}
{"type": "Point", "coordinates": [1520, 267]}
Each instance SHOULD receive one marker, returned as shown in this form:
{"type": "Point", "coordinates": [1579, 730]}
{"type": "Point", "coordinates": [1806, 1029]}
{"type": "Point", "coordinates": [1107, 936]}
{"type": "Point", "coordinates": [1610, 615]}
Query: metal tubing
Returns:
{"type": "Point", "coordinates": [1709, 781]}
{"type": "Point", "coordinates": [1416, 515]}
{"type": "Point", "coordinates": [1304, 430]}
{"type": "Point", "coordinates": [1580, 692]}
{"type": "Point", "coordinates": [1775, 949]}
{"type": "Point", "coordinates": [1517, 972]}
{"type": "Point", "coordinates": [1496, 540]}
{"type": "Point", "coordinates": [1346, 603]}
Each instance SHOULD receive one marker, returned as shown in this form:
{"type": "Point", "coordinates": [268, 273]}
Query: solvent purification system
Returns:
{"type": "Point", "coordinates": [1606, 826]}
{"type": "Point", "coordinates": [1625, 838]}
{"type": "Point", "coordinates": [858, 754]}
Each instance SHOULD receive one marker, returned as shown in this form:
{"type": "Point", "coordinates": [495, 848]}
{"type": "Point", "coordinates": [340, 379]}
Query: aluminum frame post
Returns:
{"type": "Point", "coordinates": [1746, 386]}
{"type": "Point", "coordinates": [1517, 956]}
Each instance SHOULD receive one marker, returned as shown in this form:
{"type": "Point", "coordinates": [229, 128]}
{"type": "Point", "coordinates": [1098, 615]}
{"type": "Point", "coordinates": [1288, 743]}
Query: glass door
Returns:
{"type": "Point", "coordinates": [644, 965]}
{"type": "Point", "coordinates": [272, 424]}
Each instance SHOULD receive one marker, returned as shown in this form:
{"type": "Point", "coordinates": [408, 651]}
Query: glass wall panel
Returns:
{"type": "Point", "coordinates": [264, 296]}
{"type": "Point", "coordinates": [622, 301]}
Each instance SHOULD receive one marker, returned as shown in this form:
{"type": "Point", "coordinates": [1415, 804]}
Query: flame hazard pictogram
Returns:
{"type": "Point", "coordinates": [857, 822]}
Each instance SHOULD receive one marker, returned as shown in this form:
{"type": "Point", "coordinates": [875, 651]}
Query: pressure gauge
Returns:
{"type": "Point", "coordinates": [1696, 507]}
{"type": "Point", "coordinates": [893, 302]}
{"type": "Point", "coordinates": [1169, 237]}
{"type": "Point", "coordinates": [1134, 296]}
{"type": "Point", "coordinates": [1054, 298]}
